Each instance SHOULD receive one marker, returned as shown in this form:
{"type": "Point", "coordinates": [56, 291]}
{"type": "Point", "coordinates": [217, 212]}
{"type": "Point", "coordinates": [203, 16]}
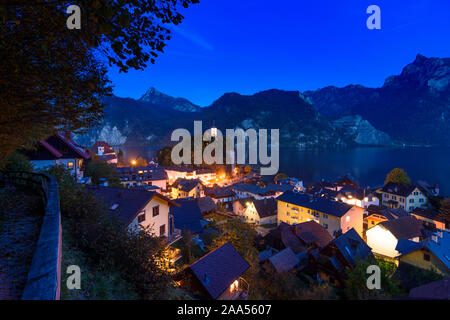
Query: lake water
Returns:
{"type": "Point", "coordinates": [367, 164]}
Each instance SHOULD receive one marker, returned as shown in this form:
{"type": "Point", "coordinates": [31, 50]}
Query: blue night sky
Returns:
{"type": "Point", "coordinates": [254, 45]}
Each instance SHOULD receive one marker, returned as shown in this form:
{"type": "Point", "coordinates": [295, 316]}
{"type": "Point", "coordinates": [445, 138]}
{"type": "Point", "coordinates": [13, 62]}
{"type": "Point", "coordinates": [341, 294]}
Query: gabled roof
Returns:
{"type": "Point", "coordinates": [254, 189]}
{"type": "Point", "coordinates": [401, 189]}
{"type": "Point", "coordinates": [335, 208]}
{"type": "Point", "coordinates": [439, 245]}
{"type": "Point", "coordinates": [403, 228]}
{"type": "Point", "coordinates": [186, 185]}
{"type": "Point", "coordinates": [284, 260]}
{"type": "Point", "coordinates": [107, 157]}
{"type": "Point", "coordinates": [265, 207]}
{"type": "Point", "coordinates": [206, 204]}
{"type": "Point", "coordinates": [204, 171]}
{"type": "Point", "coordinates": [357, 193]}
{"type": "Point", "coordinates": [187, 216]}
{"type": "Point", "coordinates": [77, 148]}
{"type": "Point", "coordinates": [352, 246]}
{"type": "Point", "coordinates": [106, 147]}
{"type": "Point", "coordinates": [284, 233]}
{"type": "Point", "coordinates": [437, 290]}
{"type": "Point", "coordinates": [50, 148]}
{"type": "Point", "coordinates": [179, 168]}
{"type": "Point", "coordinates": [60, 146]}
{"type": "Point", "coordinates": [427, 213]}
{"type": "Point", "coordinates": [219, 192]}
{"type": "Point", "coordinates": [405, 246]}
{"type": "Point", "coordinates": [388, 213]}
{"type": "Point", "coordinates": [312, 232]}
{"type": "Point", "coordinates": [128, 203]}
{"type": "Point", "coordinates": [217, 270]}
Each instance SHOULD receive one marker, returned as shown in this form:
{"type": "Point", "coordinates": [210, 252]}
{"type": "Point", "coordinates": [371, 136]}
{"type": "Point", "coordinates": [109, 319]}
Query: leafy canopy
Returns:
{"type": "Point", "coordinates": [397, 175]}
{"type": "Point", "coordinates": [53, 78]}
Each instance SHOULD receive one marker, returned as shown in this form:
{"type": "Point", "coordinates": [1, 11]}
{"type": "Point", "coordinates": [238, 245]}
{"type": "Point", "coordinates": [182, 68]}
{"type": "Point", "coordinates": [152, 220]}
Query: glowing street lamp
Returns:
{"type": "Point", "coordinates": [133, 162]}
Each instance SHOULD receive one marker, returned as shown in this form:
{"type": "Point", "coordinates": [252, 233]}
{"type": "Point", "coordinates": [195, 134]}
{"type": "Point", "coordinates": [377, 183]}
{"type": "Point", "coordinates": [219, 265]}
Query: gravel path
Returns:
{"type": "Point", "coordinates": [21, 214]}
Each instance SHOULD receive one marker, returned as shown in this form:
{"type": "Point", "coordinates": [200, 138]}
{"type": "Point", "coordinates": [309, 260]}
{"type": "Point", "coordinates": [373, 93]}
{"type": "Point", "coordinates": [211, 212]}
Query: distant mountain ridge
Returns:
{"type": "Point", "coordinates": [412, 108]}
{"type": "Point", "coordinates": [155, 97]}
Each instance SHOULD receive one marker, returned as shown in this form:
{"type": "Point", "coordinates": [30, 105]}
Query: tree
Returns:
{"type": "Point", "coordinates": [164, 156]}
{"type": "Point", "coordinates": [17, 162]}
{"type": "Point", "coordinates": [120, 159]}
{"type": "Point", "coordinates": [97, 169]}
{"type": "Point", "coordinates": [397, 175]}
{"type": "Point", "coordinates": [279, 176]}
{"type": "Point", "coordinates": [54, 78]}
{"type": "Point", "coordinates": [355, 286]}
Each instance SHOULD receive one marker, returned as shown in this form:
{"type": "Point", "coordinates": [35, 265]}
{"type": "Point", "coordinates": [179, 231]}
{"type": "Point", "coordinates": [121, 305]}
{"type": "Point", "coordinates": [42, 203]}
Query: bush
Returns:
{"type": "Point", "coordinates": [138, 257]}
{"type": "Point", "coordinates": [18, 162]}
{"type": "Point", "coordinates": [97, 169]}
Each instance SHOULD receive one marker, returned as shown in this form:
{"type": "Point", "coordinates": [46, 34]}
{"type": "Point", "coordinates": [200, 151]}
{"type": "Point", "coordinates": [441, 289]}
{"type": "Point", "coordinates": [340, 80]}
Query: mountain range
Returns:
{"type": "Point", "coordinates": [410, 108]}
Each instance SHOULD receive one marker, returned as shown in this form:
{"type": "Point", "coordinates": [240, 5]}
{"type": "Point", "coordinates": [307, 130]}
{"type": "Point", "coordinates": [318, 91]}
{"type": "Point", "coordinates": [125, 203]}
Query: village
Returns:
{"type": "Point", "coordinates": [320, 232]}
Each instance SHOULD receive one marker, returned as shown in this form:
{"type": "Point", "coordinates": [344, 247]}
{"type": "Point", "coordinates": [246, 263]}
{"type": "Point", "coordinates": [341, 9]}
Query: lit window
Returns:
{"type": "Point", "coordinates": [70, 165]}
{"type": "Point", "coordinates": [234, 286]}
{"type": "Point", "coordinates": [347, 219]}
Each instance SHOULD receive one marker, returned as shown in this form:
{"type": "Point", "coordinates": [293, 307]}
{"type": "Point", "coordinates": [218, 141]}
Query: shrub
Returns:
{"type": "Point", "coordinates": [138, 257]}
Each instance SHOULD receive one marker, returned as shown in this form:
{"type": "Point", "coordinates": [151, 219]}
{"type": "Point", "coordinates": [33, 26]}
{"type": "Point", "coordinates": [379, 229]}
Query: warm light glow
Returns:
{"type": "Point", "coordinates": [133, 162]}
{"type": "Point", "coordinates": [234, 286]}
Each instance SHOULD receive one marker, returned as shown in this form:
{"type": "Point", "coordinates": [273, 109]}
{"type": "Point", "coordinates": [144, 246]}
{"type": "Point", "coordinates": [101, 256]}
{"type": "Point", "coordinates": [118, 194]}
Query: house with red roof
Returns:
{"type": "Point", "coordinates": [59, 149]}
{"type": "Point", "coordinates": [104, 151]}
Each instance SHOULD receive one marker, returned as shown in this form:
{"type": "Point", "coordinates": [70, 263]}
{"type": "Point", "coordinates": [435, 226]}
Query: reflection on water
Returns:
{"type": "Point", "coordinates": [368, 164]}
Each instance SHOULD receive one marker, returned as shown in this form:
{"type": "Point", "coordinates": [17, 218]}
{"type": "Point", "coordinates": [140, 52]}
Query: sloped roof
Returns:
{"type": "Point", "coordinates": [50, 148]}
{"type": "Point", "coordinates": [265, 207]}
{"type": "Point", "coordinates": [219, 192]}
{"type": "Point", "coordinates": [179, 168]}
{"type": "Point", "coordinates": [388, 213]}
{"type": "Point", "coordinates": [203, 171]}
{"type": "Point", "coordinates": [186, 184]}
{"type": "Point", "coordinates": [335, 208]}
{"type": "Point", "coordinates": [437, 290]}
{"type": "Point", "coordinates": [311, 231]}
{"type": "Point", "coordinates": [352, 246]}
{"type": "Point", "coordinates": [217, 270]}
{"type": "Point", "coordinates": [74, 146]}
{"type": "Point", "coordinates": [53, 145]}
{"type": "Point", "coordinates": [269, 189]}
{"type": "Point", "coordinates": [206, 204]}
{"type": "Point", "coordinates": [187, 216]}
{"type": "Point", "coordinates": [284, 260]}
{"type": "Point", "coordinates": [401, 189]}
{"type": "Point", "coordinates": [405, 246]}
{"type": "Point", "coordinates": [285, 234]}
{"type": "Point", "coordinates": [404, 228]}
{"type": "Point", "coordinates": [130, 201]}
{"type": "Point", "coordinates": [427, 213]}
{"type": "Point", "coordinates": [104, 144]}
